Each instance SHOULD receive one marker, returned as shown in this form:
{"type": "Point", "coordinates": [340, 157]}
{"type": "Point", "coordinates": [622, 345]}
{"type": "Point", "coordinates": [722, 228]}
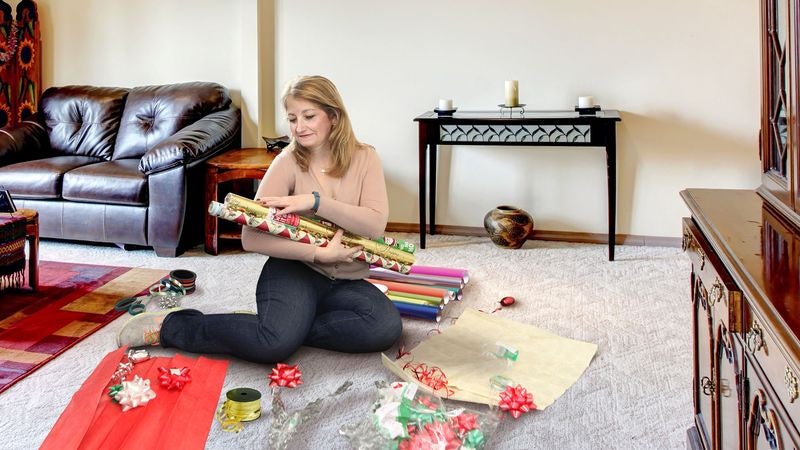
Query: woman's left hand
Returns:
{"type": "Point", "coordinates": [289, 204]}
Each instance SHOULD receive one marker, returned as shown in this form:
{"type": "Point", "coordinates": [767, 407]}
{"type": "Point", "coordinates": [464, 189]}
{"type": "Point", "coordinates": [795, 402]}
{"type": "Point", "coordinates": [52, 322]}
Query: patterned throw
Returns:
{"type": "Point", "coordinates": [12, 251]}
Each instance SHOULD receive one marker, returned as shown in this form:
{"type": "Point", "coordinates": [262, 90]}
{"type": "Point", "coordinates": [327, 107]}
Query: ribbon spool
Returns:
{"type": "Point", "coordinates": [185, 278]}
{"type": "Point", "coordinates": [241, 405]}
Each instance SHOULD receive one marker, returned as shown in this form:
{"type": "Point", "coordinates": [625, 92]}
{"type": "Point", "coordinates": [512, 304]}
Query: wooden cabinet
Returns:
{"type": "Point", "coordinates": [717, 319]}
{"type": "Point", "coordinates": [779, 141]}
{"type": "Point", "coordinates": [746, 323]}
{"type": "Point", "coordinates": [745, 251]}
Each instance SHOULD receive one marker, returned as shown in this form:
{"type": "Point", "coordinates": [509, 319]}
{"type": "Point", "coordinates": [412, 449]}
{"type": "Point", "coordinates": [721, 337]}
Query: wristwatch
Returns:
{"type": "Point", "coordinates": [316, 202]}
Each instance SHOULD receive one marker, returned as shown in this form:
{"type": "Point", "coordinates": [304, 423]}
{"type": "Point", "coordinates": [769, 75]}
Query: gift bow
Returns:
{"type": "Point", "coordinates": [174, 378]}
{"type": "Point", "coordinates": [516, 400]}
{"type": "Point", "coordinates": [284, 375]}
{"type": "Point", "coordinates": [134, 393]}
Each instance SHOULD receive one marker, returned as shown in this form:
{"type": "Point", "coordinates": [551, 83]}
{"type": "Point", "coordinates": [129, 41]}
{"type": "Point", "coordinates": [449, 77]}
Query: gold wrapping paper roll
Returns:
{"type": "Point", "coordinates": [256, 209]}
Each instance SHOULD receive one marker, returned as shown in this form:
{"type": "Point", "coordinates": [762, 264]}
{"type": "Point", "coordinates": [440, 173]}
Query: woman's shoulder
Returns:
{"type": "Point", "coordinates": [365, 153]}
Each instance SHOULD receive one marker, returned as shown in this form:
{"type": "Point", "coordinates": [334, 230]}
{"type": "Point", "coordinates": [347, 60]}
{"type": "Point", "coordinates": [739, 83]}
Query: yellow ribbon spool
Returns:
{"type": "Point", "coordinates": [241, 405]}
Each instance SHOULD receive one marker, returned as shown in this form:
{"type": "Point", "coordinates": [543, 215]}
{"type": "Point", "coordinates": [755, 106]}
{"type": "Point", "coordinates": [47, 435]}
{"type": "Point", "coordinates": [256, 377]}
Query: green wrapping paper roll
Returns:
{"type": "Point", "coordinates": [256, 209]}
{"type": "Point", "coordinates": [289, 232]}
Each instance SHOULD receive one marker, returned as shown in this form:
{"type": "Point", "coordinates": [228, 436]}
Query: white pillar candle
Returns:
{"type": "Point", "coordinates": [585, 101]}
{"type": "Point", "coordinates": [445, 104]}
{"type": "Point", "coordinates": [512, 93]}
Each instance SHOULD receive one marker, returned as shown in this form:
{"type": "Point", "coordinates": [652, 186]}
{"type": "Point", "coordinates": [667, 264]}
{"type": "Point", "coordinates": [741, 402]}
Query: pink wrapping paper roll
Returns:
{"type": "Point", "coordinates": [441, 271]}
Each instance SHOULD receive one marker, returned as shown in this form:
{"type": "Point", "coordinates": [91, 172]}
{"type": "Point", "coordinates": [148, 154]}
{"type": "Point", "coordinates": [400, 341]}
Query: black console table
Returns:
{"type": "Point", "coordinates": [533, 128]}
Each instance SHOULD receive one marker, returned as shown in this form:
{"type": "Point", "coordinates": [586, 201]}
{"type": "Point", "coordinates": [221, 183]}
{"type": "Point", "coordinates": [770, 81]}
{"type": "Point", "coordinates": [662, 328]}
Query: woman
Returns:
{"type": "Point", "coordinates": [306, 295]}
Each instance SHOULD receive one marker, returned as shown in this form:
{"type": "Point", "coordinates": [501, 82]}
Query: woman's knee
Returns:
{"type": "Point", "coordinates": [391, 327]}
{"type": "Point", "coordinates": [273, 348]}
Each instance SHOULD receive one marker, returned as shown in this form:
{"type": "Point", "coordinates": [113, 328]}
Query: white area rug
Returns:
{"type": "Point", "coordinates": [635, 393]}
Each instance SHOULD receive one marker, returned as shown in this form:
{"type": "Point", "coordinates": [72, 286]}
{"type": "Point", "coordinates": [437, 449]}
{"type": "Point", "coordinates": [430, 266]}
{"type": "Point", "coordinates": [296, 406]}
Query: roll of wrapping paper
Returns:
{"type": "Point", "coordinates": [406, 298]}
{"type": "Point", "coordinates": [405, 246]}
{"type": "Point", "coordinates": [279, 229]}
{"type": "Point", "coordinates": [411, 301]}
{"type": "Point", "coordinates": [442, 294]}
{"type": "Point", "coordinates": [435, 301]}
{"type": "Point", "coordinates": [457, 292]}
{"type": "Point", "coordinates": [256, 209]}
{"type": "Point", "coordinates": [419, 311]}
{"type": "Point", "coordinates": [442, 271]}
{"type": "Point", "coordinates": [381, 274]}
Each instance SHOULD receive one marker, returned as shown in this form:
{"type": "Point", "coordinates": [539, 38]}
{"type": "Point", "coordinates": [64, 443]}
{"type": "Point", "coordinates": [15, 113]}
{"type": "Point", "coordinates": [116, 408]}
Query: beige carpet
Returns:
{"type": "Point", "coordinates": [635, 393]}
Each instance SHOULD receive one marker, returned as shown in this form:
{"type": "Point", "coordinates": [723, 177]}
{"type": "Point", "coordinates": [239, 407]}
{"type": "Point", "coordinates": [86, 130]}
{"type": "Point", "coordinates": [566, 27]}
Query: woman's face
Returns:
{"type": "Point", "coordinates": [309, 124]}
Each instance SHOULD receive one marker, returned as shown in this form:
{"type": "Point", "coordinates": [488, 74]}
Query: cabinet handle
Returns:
{"type": "Point", "coordinates": [707, 385]}
{"type": "Point", "coordinates": [755, 338]}
{"type": "Point", "coordinates": [702, 257]}
{"type": "Point", "coordinates": [687, 240]}
{"type": "Point", "coordinates": [716, 292]}
{"type": "Point", "coordinates": [790, 380]}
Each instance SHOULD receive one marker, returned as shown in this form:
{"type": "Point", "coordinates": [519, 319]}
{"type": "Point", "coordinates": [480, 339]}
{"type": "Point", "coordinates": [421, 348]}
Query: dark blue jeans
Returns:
{"type": "Point", "coordinates": [296, 306]}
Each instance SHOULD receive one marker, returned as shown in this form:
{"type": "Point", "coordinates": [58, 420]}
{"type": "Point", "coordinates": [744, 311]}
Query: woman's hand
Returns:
{"type": "Point", "coordinates": [289, 204]}
{"type": "Point", "coordinates": [335, 251]}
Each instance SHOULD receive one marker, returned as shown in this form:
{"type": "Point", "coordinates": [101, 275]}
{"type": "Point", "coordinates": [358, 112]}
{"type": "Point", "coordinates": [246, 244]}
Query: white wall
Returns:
{"type": "Point", "coordinates": [135, 43]}
{"type": "Point", "coordinates": [684, 74]}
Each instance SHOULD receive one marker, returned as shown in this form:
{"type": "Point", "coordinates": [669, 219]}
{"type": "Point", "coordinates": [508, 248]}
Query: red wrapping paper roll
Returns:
{"type": "Point", "coordinates": [415, 289]}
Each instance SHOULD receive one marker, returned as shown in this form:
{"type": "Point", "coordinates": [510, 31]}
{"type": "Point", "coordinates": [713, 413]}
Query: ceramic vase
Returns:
{"type": "Point", "coordinates": [508, 226]}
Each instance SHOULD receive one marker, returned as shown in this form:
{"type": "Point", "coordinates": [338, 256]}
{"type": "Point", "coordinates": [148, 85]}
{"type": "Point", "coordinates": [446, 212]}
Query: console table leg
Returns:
{"type": "Point", "coordinates": [423, 147]}
{"type": "Point", "coordinates": [432, 200]}
{"type": "Point", "coordinates": [611, 157]}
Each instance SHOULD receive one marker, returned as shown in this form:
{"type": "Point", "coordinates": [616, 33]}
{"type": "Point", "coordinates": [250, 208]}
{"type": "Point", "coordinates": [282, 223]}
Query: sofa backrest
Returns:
{"type": "Point", "coordinates": [153, 113]}
{"type": "Point", "coordinates": [83, 120]}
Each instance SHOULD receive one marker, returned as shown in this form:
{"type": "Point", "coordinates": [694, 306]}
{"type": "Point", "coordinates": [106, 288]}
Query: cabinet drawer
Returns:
{"type": "Point", "coordinates": [767, 357]}
{"type": "Point", "coordinates": [766, 425]}
{"type": "Point", "coordinates": [722, 294]}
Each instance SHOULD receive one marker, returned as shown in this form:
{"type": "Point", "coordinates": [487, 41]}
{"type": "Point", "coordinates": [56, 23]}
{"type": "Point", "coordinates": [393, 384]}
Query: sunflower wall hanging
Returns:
{"type": "Point", "coordinates": [20, 62]}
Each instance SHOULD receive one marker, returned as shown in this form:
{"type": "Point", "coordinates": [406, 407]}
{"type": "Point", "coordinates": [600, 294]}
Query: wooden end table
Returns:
{"type": "Point", "coordinates": [233, 165]}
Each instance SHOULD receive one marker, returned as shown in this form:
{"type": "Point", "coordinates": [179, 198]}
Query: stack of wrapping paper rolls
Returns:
{"type": "Point", "coordinates": [383, 252]}
{"type": "Point", "coordinates": [424, 292]}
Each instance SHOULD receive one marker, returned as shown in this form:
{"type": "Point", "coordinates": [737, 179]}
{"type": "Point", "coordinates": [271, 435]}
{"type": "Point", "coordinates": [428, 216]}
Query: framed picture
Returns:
{"type": "Point", "coordinates": [6, 202]}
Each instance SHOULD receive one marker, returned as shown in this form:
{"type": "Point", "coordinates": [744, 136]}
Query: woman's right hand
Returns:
{"type": "Point", "coordinates": [335, 251]}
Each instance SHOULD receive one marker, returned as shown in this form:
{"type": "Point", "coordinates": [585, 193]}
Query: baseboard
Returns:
{"type": "Point", "coordinates": [547, 235]}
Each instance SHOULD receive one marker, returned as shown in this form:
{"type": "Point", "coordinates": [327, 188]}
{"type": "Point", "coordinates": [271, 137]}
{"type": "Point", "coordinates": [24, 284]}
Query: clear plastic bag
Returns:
{"type": "Point", "coordinates": [404, 417]}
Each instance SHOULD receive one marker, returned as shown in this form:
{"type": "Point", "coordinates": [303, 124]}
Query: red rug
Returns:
{"type": "Point", "coordinates": [73, 301]}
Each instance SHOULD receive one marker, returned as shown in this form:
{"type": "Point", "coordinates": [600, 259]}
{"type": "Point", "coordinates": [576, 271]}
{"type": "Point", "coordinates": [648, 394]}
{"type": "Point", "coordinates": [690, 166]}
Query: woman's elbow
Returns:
{"type": "Point", "coordinates": [248, 238]}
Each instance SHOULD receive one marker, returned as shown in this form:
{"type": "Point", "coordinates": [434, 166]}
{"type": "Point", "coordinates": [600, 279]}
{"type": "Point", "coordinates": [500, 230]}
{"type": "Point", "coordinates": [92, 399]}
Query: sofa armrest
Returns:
{"type": "Point", "coordinates": [24, 142]}
{"type": "Point", "coordinates": [198, 140]}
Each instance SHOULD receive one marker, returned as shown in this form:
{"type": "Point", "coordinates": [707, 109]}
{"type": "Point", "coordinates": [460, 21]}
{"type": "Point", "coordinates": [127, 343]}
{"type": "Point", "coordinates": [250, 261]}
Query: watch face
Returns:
{"type": "Point", "coordinates": [6, 203]}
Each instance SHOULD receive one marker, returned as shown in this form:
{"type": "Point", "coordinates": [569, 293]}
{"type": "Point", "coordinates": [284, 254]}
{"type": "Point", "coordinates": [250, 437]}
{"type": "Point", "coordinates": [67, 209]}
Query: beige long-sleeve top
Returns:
{"type": "Point", "coordinates": [356, 202]}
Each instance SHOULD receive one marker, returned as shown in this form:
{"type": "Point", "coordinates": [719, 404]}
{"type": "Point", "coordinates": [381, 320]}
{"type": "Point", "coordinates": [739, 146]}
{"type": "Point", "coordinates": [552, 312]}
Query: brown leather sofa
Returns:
{"type": "Point", "coordinates": [118, 165]}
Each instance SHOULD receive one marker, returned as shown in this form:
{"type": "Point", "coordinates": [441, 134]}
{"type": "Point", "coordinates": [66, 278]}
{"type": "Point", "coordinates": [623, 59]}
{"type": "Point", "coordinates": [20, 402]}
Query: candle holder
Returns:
{"type": "Point", "coordinates": [590, 111]}
{"type": "Point", "coordinates": [510, 109]}
{"type": "Point", "coordinates": [444, 112]}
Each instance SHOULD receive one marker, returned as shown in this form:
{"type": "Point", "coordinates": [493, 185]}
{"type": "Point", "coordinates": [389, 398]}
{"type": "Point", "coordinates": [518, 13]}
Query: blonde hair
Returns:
{"type": "Point", "coordinates": [322, 92]}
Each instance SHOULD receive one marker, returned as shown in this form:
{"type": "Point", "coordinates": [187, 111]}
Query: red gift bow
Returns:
{"type": "Point", "coordinates": [465, 422]}
{"type": "Point", "coordinates": [174, 378]}
{"type": "Point", "coordinates": [516, 400]}
{"type": "Point", "coordinates": [284, 375]}
{"type": "Point", "coordinates": [432, 435]}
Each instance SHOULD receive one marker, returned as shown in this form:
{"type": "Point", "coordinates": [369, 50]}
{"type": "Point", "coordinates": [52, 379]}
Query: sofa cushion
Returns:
{"type": "Point", "coordinates": [83, 120]}
{"type": "Point", "coordinates": [40, 178]}
{"type": "Point", "coordinates": [116, 182]}
{"type": "Point", "coordinates": [153, 113]}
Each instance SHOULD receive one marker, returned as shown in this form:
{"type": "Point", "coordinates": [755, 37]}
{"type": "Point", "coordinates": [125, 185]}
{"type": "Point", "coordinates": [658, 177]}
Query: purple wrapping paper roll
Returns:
{"type": "Point", "coordinates": [385, 274]}
{"type": "Point", "coordinates": [441, 271]}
